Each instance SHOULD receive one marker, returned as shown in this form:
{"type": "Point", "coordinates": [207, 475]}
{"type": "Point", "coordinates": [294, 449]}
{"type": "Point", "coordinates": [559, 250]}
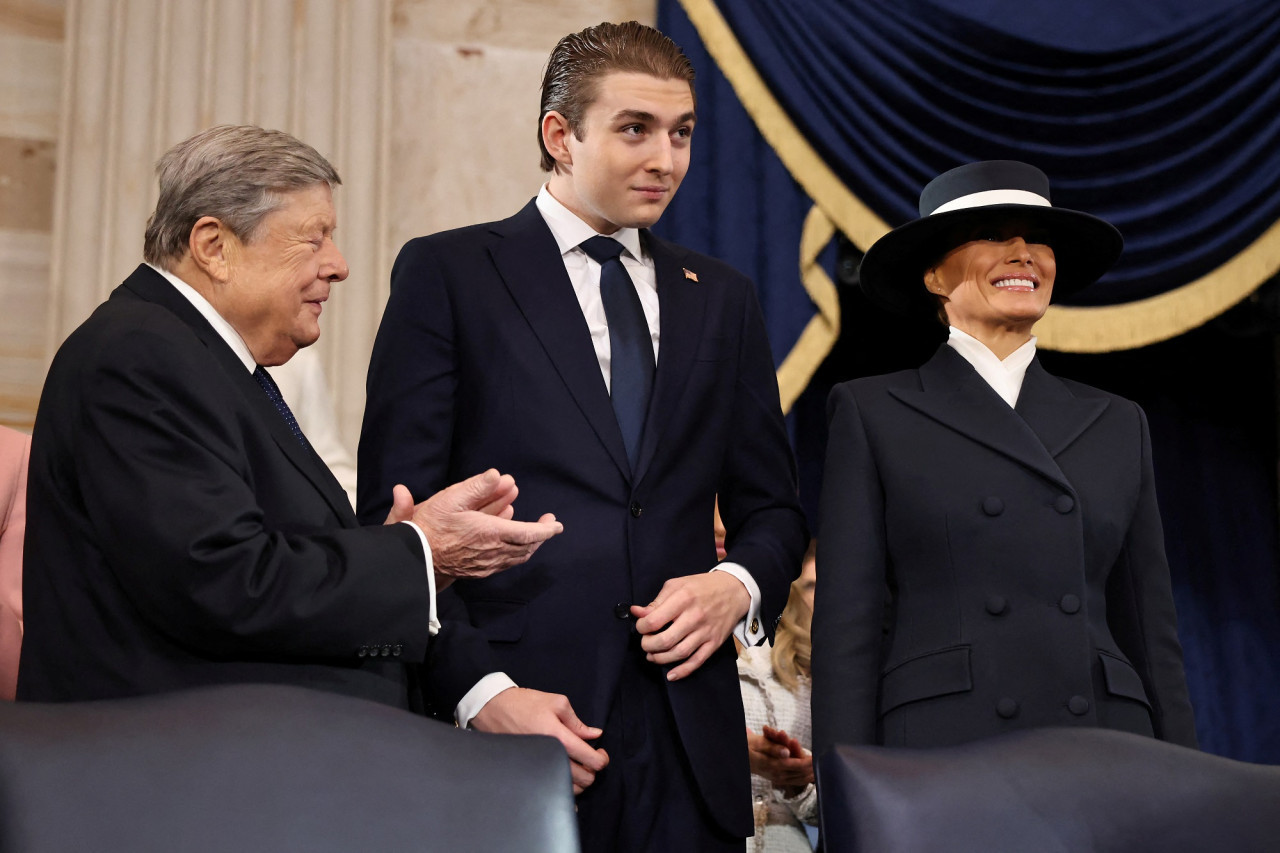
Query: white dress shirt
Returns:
{"type": "Point", "coordinates": [1005, 377]}
{"type": "Point", "coordinates": [228, 333]}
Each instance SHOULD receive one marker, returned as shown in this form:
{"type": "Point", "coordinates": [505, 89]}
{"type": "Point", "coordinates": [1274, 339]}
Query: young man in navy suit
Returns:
{"type": "Point", "coordinates": [626, 382]}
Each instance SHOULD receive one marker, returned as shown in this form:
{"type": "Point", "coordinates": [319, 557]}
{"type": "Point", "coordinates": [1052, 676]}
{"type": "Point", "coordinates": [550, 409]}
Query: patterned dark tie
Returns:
{"type": "Point", "coordinates": [277, 399]}
{"type": "Point", "coordinates": [630, 343]}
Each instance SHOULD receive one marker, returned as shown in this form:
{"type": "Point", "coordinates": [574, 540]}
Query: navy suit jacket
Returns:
{"type": "Point", "coordinates": [179, 535]}
{"type": "Point", "coordinates": [483, 359]}
{"type": "Point", "coordinates": [983, 568]}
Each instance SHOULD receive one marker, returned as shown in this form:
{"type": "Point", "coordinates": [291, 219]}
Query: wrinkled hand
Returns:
{"type": "Point", "coordinates": [469, 527]}
{"type": "Point", "coordinates": [518, 710]}
{"type": "Point", "coordinates": [691, 618]}
{"type": "Point", "coordinates": [780, 758]}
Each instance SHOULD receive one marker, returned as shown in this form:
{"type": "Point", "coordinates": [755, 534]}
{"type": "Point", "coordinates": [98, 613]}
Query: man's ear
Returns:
{"type": "Point", "coordinates": [555, 134]}
{"type": "Point", "coordinates": [212, 247]}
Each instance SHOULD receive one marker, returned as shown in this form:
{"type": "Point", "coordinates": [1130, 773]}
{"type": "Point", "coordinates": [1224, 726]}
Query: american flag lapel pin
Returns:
{"type": "Point", "coordinates": [690, 274]}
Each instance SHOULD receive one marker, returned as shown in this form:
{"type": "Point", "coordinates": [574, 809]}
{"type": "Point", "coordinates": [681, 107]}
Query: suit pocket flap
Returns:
{"type": "Point", "coordinates": [500, 621]}
{"type": "Point", "coordinates": [934, 674]}
{"type": "Point", "coordinates": [1122, 679]}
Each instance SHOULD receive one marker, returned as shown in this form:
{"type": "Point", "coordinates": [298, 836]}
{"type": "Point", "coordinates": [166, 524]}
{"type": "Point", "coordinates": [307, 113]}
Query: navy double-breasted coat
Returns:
{"type": "Point", "coordinates": [983, 568]}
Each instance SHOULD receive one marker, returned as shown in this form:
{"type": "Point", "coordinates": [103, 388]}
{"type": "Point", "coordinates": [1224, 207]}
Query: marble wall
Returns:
{"type": "Point", "coordinates": [428, 108]}
{"type": "Point", "coordinates": [31, 42]}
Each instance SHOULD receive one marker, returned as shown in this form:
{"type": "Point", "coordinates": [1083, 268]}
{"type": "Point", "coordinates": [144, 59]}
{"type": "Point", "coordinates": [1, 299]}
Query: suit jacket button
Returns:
{"type": "Point", "coordinates": [1064, 504]}
{"type": "Point", "coordinates": [1078, 705]}
{"type": "Point", "coordinates": [1070, 603]}
{"type": "Point", "coordinates": [636, 510]}
{"type": "Point", "coordinates": [363, 652]}
{"type": "Point", "coordinates": [622, 611]}
{"type": "Point", "coordinates": [386, 651]}
{"type": "Point", "coordinates": [397, 649]}
{"type": "Point", "coordinates": [1007, 708]}
{"type": "Point", "coordinates": [997, 604]}
{"type": "Point", "coordinates": [992, 506]}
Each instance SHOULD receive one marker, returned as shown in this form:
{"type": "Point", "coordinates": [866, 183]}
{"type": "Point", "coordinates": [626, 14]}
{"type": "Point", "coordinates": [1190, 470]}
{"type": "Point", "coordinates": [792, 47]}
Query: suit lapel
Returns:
{"type": "Point", "coordinates": [529, 262]}
{"type": "Point", "coordinates": [682, 306]}
{"type": "Point", "coordinates": [151, 286]}
{"type": "Point", "coordinates": [1054, 414]}
{"type": "Point", "coordinates": [953, 394]}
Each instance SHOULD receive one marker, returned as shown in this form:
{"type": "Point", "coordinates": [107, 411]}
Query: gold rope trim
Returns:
{"type": "Point", "coordinates": [823, 329]}
{"type": "Point", "coordinates": [821, 184]}
{"type": "Point", "coordinates": [834, 204]}
{"type": "Point", "coordinates": [1158, 318]}
{"type": "Point", "coordinates": [1099, 329]}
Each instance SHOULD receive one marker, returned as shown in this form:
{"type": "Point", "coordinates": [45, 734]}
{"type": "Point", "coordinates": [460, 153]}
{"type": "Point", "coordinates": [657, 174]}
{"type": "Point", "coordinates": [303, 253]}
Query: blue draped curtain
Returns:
{"type": "Point", "coordinates": [820, 120]}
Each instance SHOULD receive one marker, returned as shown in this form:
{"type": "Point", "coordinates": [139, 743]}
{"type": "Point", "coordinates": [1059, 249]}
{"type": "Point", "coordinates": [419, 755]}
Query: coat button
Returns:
{"type": "Point", "coordinates": [1007, 708]}
{"type": "Point", "coordinates": [397, 649]}
{"type": "Point", "coordinates": [1070, 603]}
{"type": "Point", "coordinates": [1078, 705]}
{"type": "Point", "coordinates": [622, 611]}
{"type": "Point", "coordinates": [386, 651]}
{"type": "Point", "coordinates": [1064, 504]}
{"type": "Point", "coordinates": [992, 506]}
{"type": "Point", "coordinates": [363, 652]}
{"type": "Point", "coordinates": [997, 604]}
{"type": "Point", "coordinates": [636, 510]}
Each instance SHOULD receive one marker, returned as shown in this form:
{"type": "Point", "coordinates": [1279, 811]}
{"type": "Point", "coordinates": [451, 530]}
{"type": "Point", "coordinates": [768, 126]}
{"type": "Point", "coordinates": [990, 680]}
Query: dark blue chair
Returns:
{"type": "Point", "coordinates": [1048, 791]}
{"type": "Point", "coordinates": [270, 768]}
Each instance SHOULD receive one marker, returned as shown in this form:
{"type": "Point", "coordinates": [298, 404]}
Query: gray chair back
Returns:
{"type": "Point", "coordinates": [1049, 791]}
{"type": "Point", "coordinates": [270, 768]}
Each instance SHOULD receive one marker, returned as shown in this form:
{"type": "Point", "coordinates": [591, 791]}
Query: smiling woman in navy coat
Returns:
{"type": "Point", "coordinates": [991, 556]}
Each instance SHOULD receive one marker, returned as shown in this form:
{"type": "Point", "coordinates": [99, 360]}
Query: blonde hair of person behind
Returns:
{"type": "Point", "coordinates": [792, 646]}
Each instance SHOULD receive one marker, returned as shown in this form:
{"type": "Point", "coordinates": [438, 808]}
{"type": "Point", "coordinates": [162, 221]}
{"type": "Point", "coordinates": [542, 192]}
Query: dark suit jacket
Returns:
{"type": "Point", "coordinates": [179, 535]}
{"type": "Point", "coordinates": [484, 360]}
{"type": "Point", "coordinates": [982, 568]}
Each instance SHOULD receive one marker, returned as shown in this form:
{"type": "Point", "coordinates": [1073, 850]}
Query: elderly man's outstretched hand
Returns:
{"type": "Point", "coordinates": [470, 528]}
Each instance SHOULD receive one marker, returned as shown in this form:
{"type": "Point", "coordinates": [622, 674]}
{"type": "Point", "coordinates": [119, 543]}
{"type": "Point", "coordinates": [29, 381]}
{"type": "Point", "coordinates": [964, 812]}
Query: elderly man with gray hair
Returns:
{"type": "Point", "coordinates": [182, 531]}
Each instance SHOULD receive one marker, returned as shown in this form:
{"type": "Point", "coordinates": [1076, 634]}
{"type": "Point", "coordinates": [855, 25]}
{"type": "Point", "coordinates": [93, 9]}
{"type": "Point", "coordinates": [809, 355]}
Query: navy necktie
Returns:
{"type": "Point", "coordinates": [277, 399]}
{"type": "Point", "coordinates": [630, 343]}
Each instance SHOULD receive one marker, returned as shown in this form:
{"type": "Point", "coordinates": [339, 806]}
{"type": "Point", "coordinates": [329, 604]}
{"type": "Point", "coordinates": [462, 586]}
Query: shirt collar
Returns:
{"type": "Point", "coordinates": [570, 231]}
{"type": "Point", "coordinates": [224, 329]}
{"type": "Point", "coordinates": [976, 352]}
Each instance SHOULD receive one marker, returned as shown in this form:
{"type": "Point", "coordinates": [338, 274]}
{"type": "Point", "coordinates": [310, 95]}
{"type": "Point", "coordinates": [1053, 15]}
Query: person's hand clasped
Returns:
{"type": "Point", "coordinates": [780, 758]}
{"type": "Point", "coordinates": [470, 528]}
{"type": "Point", "coordinates": [521, 711]}
{"type": "Point", "coordinates": [691, 618]}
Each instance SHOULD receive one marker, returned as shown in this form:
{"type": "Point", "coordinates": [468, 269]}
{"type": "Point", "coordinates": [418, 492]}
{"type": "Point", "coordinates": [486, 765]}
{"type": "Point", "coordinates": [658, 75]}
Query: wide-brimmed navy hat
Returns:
{"type": "Point", "coordinates": [892, 272]}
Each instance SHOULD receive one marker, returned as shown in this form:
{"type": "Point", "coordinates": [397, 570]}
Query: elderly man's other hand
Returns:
{"type": "Point", "coordinates": [691, 618]}
{"type": "Point", "coordinates": [521, 711]}
{"type": "Point", "coordinates": [470, 528]}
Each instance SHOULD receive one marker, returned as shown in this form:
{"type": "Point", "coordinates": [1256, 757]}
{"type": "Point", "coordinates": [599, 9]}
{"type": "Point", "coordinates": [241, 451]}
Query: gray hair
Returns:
{"type": "Point", "coordinates": [235, 173]}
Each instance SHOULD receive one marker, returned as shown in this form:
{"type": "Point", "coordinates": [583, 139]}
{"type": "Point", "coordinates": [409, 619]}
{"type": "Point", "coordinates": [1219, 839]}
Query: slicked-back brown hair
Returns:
{"type": "Point", "coordinates": [579, 60]}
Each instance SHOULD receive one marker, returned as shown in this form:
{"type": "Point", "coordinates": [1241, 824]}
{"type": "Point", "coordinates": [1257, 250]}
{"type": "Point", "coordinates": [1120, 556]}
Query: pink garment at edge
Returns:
{"type": "Point", "coordinates": [15, 447]}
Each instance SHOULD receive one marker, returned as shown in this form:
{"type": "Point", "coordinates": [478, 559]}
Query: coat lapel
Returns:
{"type": "Point", "coordinates": [953, 394]}
{"type": "Point", "coordinates": [152, 287]}
{"type": "Point", "coordinates": [1054, 414]}
{"type": "Point", "coordinates": [682, 306]}
{"type": "Point", "coordinates": [529, 262]}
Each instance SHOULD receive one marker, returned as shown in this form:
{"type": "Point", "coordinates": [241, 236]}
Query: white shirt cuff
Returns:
{"type": "Point", "coordinates": [433, 620]}
{"type": "Point", "coordinates": [477, 697]}
{"type": "Point", "coordinates": [750, 632]}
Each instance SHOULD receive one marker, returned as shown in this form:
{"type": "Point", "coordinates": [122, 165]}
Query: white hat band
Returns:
{"type": "Point", "coordinates": [990, 197]}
